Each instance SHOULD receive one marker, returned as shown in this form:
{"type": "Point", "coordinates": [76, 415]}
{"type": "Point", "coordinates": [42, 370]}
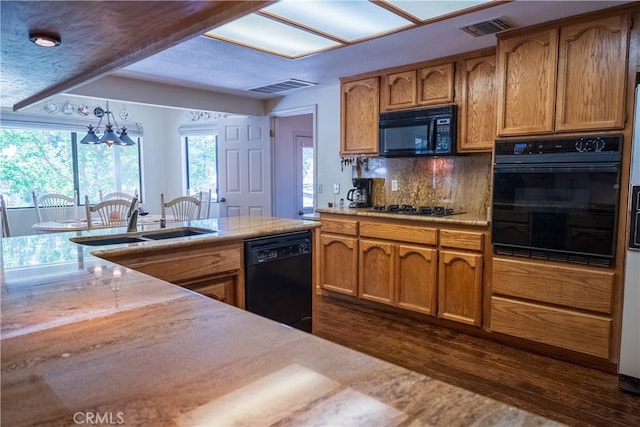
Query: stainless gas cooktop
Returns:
{"type": "Point", "coordinates": [420, 210]}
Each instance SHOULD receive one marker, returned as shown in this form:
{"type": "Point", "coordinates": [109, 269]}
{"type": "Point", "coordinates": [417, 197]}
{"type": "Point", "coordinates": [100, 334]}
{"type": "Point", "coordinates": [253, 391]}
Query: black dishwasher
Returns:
{"type": "Point", "coordinates": [278, 278]}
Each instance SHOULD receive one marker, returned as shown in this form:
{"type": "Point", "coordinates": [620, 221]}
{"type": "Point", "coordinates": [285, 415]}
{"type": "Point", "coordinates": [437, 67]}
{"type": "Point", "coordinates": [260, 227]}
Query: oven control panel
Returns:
{"type": "Point", "coordinates": [589, 144]}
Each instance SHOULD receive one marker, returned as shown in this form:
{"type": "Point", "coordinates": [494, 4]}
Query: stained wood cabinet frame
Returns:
{"type": "Point", "coordinates": [213, 270]}
{"type": "Point", "coordinates": [561, 305]}
{"type": "Point", "coordinates": [564, 78]}
{"type": "Point", "coordinates": [359, 101]}
{"type": "Point", "coordinates": [430, 270]}
{"type": "Point", "coordinates": [424, 86]}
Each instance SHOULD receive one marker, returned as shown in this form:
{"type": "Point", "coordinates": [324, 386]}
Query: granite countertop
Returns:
{"type": "Point", "coordinates": [458, 219]}
{"type": "Point", "coordinates": [84, 339]}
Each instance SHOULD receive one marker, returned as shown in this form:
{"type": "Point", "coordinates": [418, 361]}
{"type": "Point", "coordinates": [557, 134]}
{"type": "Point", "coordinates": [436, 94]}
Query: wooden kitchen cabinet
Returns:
{"type": "Point", "coordinates": [398, 274]}
{"type": "Point", "coordinates": [526, 72]}
{"type": "Point", "coordinates": [563, 79]}
{"type": "Point", "coordinates": [398, 90]}
{"type": "Point", "coordinates": [359, 110]}
{"type": "Point", "coordinates": [220, 288]}
{"type": "Point", "coordinates": [421, 268]}
{"type": "Point", "coordinates": [212, 270]}
{"type": "Point", "coordinates": [435, 84]}
{"type": "Point", "coordinates": [376, 271]}
{"type": "Point", "coordinates": [416, 278]}
{"type": "Point", "coordinates": [397, 266]}
{"type": "Point", "coordinates": [339, 256]}
{"type": "Point", "coordinates": [592, 71]}
{"type": "Point", "coordinates": [565, 306]}
{"type": "Point", "coordinates": [477, 115]}
{"type": "Point", "coordinates": [432, 85]}
{"type": "Point", "coordinates": [460, 286]}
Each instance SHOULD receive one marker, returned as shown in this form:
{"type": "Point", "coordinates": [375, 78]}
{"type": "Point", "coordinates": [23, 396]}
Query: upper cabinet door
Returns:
{"type": "Point", "coordinates": [360, 101]}
{"type": "Point", "coordinates": [592, 71]}
{"type": "Point", "coordinates": [478, 105]}
{"type": "Point", "coordinates": [527, 71]}
{"type": "Point", "coordinates": [435, 84]}
{"type": "Point", "coordinates": [398, 91]}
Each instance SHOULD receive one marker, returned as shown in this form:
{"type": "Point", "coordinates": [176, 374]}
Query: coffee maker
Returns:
{"type": "Point", "coordinates": [360, 196]}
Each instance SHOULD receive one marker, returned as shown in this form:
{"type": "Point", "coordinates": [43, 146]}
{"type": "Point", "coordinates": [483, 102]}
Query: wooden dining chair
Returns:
{"type": "Point", "coordinates": [205, 203]}
{"type": "Point", "coordinates": [54, 207]}
{"type": "Point", "coordinates": [6, 231]}
{"type": "Point", "coordinates": [115, 195]}
{"type": "Point", "coordinates": [111, 213]}
{"type": "Point", "coordinates": [184, 208]}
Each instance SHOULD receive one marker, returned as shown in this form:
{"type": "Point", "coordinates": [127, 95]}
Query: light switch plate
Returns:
{"type": "Point", "coordinates": [336, 188]}
{"type": "Point", "coordinates": [394, 185]}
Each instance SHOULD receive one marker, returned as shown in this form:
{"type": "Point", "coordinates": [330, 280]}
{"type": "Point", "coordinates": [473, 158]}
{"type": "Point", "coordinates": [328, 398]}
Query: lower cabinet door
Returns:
{"type": "Point", "coordinates": [220, 288]}
{"type": "Point", "coordinates": [338, 264]}
{"type": "Point", "coordinates": [460, 287]}
{"type": "Point", "coordinates": [376, 271]}
{"type": "Point", "coordinates": [417, 278]}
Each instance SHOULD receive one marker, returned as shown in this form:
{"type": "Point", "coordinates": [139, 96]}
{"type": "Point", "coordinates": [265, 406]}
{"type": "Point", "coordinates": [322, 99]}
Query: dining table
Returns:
{"type": "Point", "coordinates": [81, 224]}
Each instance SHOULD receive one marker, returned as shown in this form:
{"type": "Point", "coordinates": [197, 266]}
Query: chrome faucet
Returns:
{"type": "Point", "coordinates": [132, 216]}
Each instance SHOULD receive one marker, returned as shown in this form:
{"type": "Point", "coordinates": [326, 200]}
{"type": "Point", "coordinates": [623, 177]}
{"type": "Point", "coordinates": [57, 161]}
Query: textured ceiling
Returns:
{"type": "Point", "coordinates": [98, 37]}
{"type": "Point", "coordinates": [102, 38]}
{"type": "Point", "coordinates": [215, 65]}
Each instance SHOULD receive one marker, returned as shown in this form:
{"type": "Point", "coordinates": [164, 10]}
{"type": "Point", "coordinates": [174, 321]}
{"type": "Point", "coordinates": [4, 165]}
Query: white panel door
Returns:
{"type": "Point", "coordinates": [244, 167]}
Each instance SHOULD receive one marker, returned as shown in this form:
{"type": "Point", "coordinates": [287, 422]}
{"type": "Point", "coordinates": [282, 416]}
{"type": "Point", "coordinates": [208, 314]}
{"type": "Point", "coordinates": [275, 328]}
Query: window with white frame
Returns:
{"type": "Point", "coordinates": [48, 160]}
{"type": "Point", "coordinates": [201, 158]}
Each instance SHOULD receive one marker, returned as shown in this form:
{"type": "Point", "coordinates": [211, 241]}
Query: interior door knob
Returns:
{"type": "Point", "coordinates": [222, 200]}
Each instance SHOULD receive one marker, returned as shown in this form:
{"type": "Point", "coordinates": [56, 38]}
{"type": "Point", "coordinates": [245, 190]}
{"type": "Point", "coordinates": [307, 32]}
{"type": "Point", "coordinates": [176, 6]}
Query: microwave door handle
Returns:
{"type": "Point", "coordinates": [432, 136]}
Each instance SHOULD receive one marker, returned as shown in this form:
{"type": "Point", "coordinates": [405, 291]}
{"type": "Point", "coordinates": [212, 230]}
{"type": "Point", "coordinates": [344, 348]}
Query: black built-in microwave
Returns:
{"type": "Point", "coordinates": [425, 132]}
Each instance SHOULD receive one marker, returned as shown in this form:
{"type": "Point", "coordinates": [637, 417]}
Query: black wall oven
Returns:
{"type": "Point", "coordinates": [557, 199]}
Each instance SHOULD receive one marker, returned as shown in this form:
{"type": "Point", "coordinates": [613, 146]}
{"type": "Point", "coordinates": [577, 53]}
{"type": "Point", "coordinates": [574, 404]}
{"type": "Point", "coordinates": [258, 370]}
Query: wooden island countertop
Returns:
{"type": "Point", "coordinates": [86, 340]}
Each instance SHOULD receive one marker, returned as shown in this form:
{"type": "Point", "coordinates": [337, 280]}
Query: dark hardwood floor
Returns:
{"type": "Point", "coordinates": [558, 390]}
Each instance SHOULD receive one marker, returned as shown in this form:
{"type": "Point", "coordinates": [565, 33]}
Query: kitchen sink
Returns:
{"type": "Point", "coordinates": [106, 240]}
{"type": "Point", "coordinates": [145, 236]}
{"type": "Point", "coordinates": [178, 232]}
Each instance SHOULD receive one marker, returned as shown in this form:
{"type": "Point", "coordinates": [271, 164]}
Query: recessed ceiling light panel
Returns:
{"type": "Point", "coordinates": [266, 34]}
{"type": "Point", "coordinates": [345, 20]}
{"type": "Point", "coordinates": [425, 10]}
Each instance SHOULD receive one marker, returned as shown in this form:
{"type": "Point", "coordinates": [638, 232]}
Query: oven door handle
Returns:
{"type": "Point", "coordinates": [558, 168]}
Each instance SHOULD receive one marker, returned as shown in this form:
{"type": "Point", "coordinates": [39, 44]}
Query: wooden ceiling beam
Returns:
{"type": "Point", "coordinates": [99, 38]}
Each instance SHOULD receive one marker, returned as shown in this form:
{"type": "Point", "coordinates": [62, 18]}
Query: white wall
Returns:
{"type": "Point", "coordinates": [162, 154]}
{"type": "Point", "coordinates": [327, 139]}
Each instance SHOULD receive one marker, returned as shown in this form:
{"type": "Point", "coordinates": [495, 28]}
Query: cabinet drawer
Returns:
{"type": "Point", "coordinates": [577, 287]}
{"type": "Point", "coordinates": [339, 226]}
{"type": "Point", "coordinates": [461, 240]}
{"type": "Point", "coordinates": [404, 233]}
{"type": "Point", "coordinates": [558, 327]}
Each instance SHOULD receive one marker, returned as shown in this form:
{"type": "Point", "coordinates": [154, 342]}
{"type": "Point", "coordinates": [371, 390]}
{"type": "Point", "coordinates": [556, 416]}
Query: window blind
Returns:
{"type": "Point", "coordinates": [198, 130]}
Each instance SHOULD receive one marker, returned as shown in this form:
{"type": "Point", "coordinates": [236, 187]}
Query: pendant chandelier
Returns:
{"type": "Point", "coordinates": [110, 136]}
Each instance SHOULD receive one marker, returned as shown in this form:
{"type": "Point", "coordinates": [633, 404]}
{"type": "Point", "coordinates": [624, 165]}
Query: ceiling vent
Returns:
{"type": "Point", "coordinates": [283, 86]}
{"type": "Point", "coordinates": [487, 27]}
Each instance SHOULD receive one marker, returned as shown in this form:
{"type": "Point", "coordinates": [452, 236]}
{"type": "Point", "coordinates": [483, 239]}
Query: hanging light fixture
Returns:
{"type": "Point", "coordinates": [110, 136]}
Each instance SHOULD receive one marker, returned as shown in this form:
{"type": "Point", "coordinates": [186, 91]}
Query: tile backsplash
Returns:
{"type": "Point", "coordinates": [460, 182]}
